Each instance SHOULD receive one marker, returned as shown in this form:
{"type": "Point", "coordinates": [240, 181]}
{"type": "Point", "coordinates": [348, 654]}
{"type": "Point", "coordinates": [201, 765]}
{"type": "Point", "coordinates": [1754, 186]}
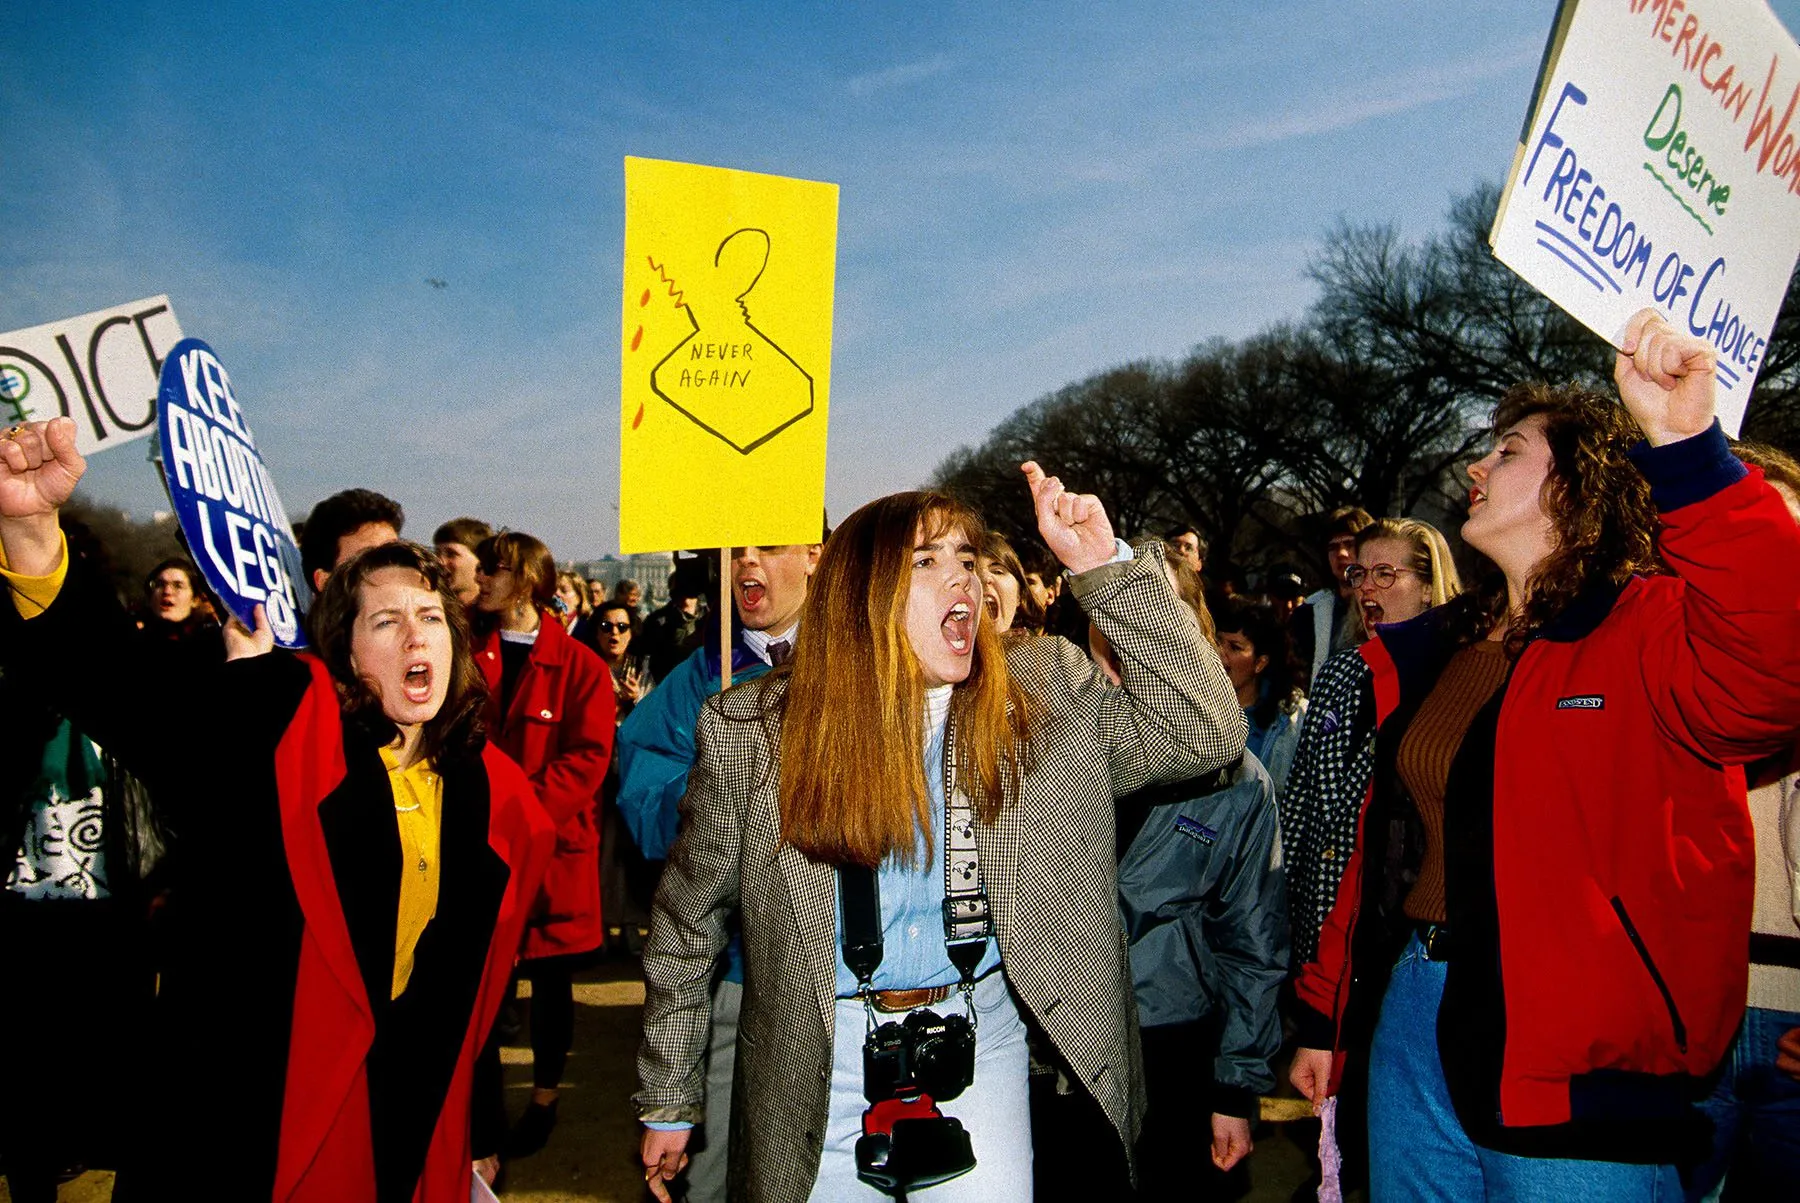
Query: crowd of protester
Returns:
{"type": "Point", "coordinates": [1028, 870]}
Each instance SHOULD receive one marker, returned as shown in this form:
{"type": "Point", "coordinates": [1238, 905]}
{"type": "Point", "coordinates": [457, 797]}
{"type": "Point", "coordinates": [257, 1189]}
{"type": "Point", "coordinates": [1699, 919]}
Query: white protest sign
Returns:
{"type": "Point", "coordinates": [100, 369]}
{"type": "Point", "coordinates": [1660, 168]}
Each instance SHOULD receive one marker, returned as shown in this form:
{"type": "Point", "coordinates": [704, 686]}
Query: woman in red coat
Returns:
{"type": "Point", "coordinates": [550, 707]}
{"type": "Point", "coordinates": [1539, 1000]}
{"type": "Point", "coordinates": [356, 866]}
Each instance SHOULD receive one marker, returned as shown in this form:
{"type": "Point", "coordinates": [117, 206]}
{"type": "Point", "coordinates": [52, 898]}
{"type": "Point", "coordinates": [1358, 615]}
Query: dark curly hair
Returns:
{"type": "Point", "coordinates": [458, 730]}
{"type": "Point", "coordinates": [1595, 497]}
{"type": "Point", "coordinates": [338, 515]}
{"type": "Point", "coordinates": [1778, 467]}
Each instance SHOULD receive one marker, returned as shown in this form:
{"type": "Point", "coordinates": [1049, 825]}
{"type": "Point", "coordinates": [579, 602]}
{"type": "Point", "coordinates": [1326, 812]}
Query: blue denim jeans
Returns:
{"type": "Point", "coordinates": [995, 1109]}
{"type": "Point", "coordinates": [1755, 1110]}
{"type": "Point", "coordinates": [1417, 1147]}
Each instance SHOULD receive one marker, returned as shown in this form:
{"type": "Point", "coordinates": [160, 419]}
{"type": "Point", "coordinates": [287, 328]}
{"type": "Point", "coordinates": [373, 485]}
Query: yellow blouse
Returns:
{"type": "Point", "coordinates": [419, 810]}
{"type": "Point", "coordinates": [32, 595]}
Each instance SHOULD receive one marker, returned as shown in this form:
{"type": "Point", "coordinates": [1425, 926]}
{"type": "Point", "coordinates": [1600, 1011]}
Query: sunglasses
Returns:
{"type": "Point", "coordinates": [617, 628]}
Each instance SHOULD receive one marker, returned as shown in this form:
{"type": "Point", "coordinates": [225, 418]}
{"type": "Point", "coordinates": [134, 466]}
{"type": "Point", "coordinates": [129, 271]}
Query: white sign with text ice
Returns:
{"type": "Point", "coordinates": [100, 369]}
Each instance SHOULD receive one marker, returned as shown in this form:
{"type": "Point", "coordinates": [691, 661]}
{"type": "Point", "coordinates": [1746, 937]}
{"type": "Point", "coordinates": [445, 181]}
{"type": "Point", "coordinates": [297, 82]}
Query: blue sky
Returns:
{"type": "Point", "coordinates": [1030, 193]}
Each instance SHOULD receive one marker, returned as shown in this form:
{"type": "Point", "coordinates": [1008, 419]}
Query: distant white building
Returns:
{"type": "Point", "coordinates": [649, 569]}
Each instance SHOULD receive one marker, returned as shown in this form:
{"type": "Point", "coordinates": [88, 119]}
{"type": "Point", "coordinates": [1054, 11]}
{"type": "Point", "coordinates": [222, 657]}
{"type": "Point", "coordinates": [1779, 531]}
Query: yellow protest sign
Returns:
{"type": "Point", "coordinates": [725, 365]}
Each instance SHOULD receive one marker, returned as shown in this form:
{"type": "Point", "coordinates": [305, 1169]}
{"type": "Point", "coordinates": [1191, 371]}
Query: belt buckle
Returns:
{"type": "Point", "coordinates": [1436, 942]}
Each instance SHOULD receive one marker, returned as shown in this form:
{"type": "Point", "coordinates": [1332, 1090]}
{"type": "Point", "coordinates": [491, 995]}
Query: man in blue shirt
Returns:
{"type": "Point", "coordinates": [655, 750]}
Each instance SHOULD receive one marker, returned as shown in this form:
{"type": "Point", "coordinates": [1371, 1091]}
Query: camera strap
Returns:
{"type": "Point", "coordinates": [968, 919]}
{"type": "Point", "coordinates": [859, 897]}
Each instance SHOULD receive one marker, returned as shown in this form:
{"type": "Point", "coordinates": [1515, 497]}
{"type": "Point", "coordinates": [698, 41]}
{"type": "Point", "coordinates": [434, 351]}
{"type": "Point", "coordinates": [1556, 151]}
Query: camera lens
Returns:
{"type": "Point", "coordinates": [943, 1053]}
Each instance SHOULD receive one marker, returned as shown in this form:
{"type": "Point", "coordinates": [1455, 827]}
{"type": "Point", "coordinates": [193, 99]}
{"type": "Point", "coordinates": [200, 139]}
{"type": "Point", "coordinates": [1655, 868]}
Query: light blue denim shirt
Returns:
{"type": "Point", "coordinates": [912, 900]}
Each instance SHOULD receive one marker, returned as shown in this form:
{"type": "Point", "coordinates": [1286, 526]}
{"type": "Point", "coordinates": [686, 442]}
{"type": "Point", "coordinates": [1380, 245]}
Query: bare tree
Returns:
{"type": "Point", "coordinates": [1774, 412]}
{"type": "Point", "coordinates": [1376, 399]}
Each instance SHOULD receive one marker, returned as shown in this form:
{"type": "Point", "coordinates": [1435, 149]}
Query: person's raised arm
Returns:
{"type": "Point", "coordinates": [655, 750]}
{"type": "Point", "coordinates": [39, 467]}
{"type": "Point", "coordinates": [81, 657]}
{"type": "Point", "coordinates": [1176, 714]}
{"type": "Point", "coordinates": [1666, 380]}
{"type": "Point", "coordinates": [1074, 526]}
{"type": "Point", "coordinates": [1722, 661]}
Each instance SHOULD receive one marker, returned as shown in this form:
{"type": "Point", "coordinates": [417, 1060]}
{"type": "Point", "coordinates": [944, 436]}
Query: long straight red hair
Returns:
{"type": "Point", "coordinates": [853, 732]}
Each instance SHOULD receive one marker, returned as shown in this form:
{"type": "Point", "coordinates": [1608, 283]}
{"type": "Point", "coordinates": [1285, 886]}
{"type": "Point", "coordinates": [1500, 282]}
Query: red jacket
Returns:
{"type": "Point", "coordinates": [326, 1154]}
{"type": "Point", "coordinates": [1598, 842]}
{"type": "Point", "coordinates": [560, 729]}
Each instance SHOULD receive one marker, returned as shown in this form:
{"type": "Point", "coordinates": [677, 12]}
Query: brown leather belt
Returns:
{"type": "Point", "coordinates": [906, 1000]}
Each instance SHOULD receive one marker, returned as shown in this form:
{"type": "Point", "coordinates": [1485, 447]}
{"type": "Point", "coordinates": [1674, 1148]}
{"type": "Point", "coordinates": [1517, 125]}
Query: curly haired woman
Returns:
{"type": "Point", "coordinates": [357, 861]}
{"type": "Point", "coordinates": [1570, 961]}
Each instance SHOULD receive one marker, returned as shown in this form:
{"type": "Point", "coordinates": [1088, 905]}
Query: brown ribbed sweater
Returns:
{"type": "Point", "coordinates": [1426, 750]}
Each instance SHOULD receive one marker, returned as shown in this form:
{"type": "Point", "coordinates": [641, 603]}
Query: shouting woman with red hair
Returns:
{"type": "Point", "coordinates": [951, 796]}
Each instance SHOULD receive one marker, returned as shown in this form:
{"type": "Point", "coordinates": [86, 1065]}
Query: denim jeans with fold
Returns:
{"type": "Point", "coordinates": [1417, 1147]}
{"type": "Point", "coordinates": [1755, 1110]}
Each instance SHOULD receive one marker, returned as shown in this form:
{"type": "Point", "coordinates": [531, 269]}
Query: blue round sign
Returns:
{"type": "Point", "coordinates": [223, 496]}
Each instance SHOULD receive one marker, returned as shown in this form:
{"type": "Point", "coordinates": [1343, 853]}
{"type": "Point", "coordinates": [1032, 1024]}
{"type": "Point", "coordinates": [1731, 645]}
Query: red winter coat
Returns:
{"type": "Point", "coordinates": [1599, 849]}
{"type": "Point", "coordinates": [326, 1153]}
{"type": "Point", "coordinates": [560, 729]}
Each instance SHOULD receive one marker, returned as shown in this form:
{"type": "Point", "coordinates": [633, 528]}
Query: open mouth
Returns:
{"type": "Point", "coordinates": [418, 682]}
{"type": "Point", "coordinates": [751, 593]}
{"type": "Point", "coordinates": [1372, 612]}
{"type": "Point", "coordinates": [991, 604]}
{"type": "Point", "coordinates": [959, 628]}
{"type": "Point", "coordinates": [1476, 496]}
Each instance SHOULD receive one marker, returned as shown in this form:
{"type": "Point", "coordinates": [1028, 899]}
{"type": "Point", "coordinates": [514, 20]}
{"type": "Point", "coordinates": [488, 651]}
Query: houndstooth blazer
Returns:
{"type": "Point", "coordinates": [1049, 862]}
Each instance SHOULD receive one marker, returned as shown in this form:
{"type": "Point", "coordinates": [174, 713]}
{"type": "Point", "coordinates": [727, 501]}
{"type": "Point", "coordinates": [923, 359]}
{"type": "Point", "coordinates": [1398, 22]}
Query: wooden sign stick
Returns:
{"type": "Point", "coordinates": [724, 618]}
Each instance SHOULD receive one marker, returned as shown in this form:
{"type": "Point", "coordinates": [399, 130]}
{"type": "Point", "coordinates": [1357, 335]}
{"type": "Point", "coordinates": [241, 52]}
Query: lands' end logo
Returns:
{"type": "Point", "coordinates": [1582, 701]}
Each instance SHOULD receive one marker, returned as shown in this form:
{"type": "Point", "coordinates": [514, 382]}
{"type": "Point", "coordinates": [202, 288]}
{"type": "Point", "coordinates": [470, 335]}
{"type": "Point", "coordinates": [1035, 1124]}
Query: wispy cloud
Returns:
{"type": "Point", "coordinates": [1400, 94]}
{"type": "Point", "coordinates": [898, 76]}
{"type": "Point", "coordinates": [1333, 111]}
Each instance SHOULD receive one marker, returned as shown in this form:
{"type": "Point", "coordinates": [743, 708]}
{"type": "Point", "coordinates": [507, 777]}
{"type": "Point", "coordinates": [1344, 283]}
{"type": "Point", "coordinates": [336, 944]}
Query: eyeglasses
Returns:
{"type": "Point", "coordinates": [617, 628]}
{"type": "Point", "coordinates": [1385, 575]}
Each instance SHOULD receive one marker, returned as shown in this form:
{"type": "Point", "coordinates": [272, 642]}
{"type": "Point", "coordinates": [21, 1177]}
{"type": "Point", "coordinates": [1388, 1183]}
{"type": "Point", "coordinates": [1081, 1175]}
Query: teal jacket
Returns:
{"type": "Point", "coordinates": [655, 750]}
{"type": "Point", "coordinates": [655, 746]}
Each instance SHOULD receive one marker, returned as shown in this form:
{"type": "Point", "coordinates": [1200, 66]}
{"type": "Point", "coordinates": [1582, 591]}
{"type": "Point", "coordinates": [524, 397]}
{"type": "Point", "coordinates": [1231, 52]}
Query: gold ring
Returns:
{"type": "Point", "coordinates": [11, 432]}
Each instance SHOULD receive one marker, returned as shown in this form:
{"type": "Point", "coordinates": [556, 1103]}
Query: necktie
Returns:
{"type": "Point", "coordinates": [779, 651]}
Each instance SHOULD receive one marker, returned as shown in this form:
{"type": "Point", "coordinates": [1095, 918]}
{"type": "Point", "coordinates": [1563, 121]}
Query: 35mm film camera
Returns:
{"type": "Point", "coordinates": [908, 1067]}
